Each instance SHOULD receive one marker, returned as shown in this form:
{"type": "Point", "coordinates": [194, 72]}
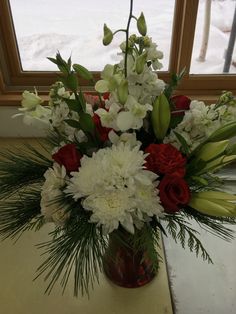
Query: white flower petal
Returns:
{"type": "Point", "coordinates": [125, 120]}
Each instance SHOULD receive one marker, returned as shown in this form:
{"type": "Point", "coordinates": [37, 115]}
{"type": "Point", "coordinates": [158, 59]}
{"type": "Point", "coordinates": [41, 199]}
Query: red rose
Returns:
{"type": "Point", "coordinates": [165, 159]}
{"type": "Point", "coordinates": [181, 103]}
{"type": "Point", "coordinates": [174, 192]}
{"type": "Point", "coordinates": [102, 131]}
{"type": "Point", "coordinates": [69, 157]}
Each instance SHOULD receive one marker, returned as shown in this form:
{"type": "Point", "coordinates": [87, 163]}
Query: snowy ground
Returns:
{"type": "Point", "coordinates": [75, 26]}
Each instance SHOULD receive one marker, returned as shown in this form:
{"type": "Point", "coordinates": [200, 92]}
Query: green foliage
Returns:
{"type": "Point", "coordinates": [184, 145]}
{"type": "Point", "coordinates": [180, 228]}
{"type": "Point", "coordinates": [213, 225]}
{"type": "Point", "coordinates": [175, 80]}
{"type": "Point", "coordinates": [21, 167]}
{"type": "Point", "coordinates": [83, 72]}
{"type": "Point", "coordinates": [79, 247]}
{"type": "Point", "coordinates": [21, 213]}
{"type": "Point", "coordinates": [63, 66]}
{"type": "Point", "coordinates": [181, 231]}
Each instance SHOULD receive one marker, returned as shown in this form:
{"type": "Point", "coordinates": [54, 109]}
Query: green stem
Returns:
{"type": "Point", "coordinates": [127, 35]}
{"type": "Point", "coordinates": [119, 30]}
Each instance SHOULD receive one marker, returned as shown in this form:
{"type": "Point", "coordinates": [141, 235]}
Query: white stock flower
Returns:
{"type": "Point", "coordinates": [38, 117]}
{"type": "Point", "coordinates": [51, 208]}
{"type": "Point", "coordinates": [112, 184]}
{"type": "Point", "coordinates": [108, 117]}
{"type": "Point", "coordinates": [33, 112]}
{"type": "Point", "coordinates": [129, 138]}
{"type": "Point", "coordinates": [60, 112]}
{"type": "Point", "coordinates": [199, 122]}
{"type": "Point", "coordinates": [63, 93]}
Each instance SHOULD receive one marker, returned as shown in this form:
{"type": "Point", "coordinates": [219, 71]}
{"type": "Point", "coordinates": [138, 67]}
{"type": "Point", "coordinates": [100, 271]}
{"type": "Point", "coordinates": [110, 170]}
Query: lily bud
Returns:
{"type": "Point", "coordinates": [212, 150]}
{"type": "Point", "coordinates": [231, 150]}
{"type": "Point", "coordinates": [214, 203]}
{"type": "Point", "coordinates": [141, 25]}
{"type": "Point", "coordinates": [107, 35]}
{"type": "Point", "coordinates": [140, 62]}
{"type": "Point", "coordinates": [225, 132]}
{"type": "Point", "coordinates": [122, 91]}
{"type": "Point", "coordinates": [160, 116]}
{"type": "Point", "coordinates": [218, 163]}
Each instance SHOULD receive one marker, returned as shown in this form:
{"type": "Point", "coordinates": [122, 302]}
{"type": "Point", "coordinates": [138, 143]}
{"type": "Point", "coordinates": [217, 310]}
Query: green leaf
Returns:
{"type": "Point", "coordinates": [73, 123]}
{"type": "Point", "coordinates": [74, 105]}
{"type": "Point", "coordinates": [83, 72]}
{"type": "Point", "coordinates": [86, 122]}
{"type": "Point", "coordinates": [183, 143]}
{"type": "Point", "coordinates": [175, 79]}
{"type": "Point", "coordinates": [175, 120]}
{"type": "Point", "coordinates": [63, 66]}
{"type": "Point", "coordinates": [82, 101]}
{"type": "Point", "coordinates": [71, 81]}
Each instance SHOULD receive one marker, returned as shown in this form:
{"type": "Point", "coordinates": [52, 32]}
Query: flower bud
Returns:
{"type": "Point", "coordinates": [223, 133]}
{"type": "Point", "coordinates": [146, 41]}
{"type": "Point", "coordinates": [212, 150]}
{"type": "Point", "coordinates": [133, 38]}
{"type": "Point", "coordinates": [214, 203]}
{"type": "Point", "coordinates": [107, 35]}
{"type": "Point", "coordinates": [140, 62]}
{"type": "Point", "coordinates": [231, 150]}
{"type": "Point", "coordinates": [160, 116]}
{"type": "Point", "coordinates": [141, 25]}
{"type": "Point", "coordinates": [122, 91]}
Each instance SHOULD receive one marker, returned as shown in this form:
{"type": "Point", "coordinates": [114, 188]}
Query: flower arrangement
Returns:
{"type": "Point", "coordinates": [130, 157]}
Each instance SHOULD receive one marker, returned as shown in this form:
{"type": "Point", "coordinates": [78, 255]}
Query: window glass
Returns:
{"type": "Point", "coordinates": [209, 56]}
{"type": "Point", "coordinates": [75, 27]}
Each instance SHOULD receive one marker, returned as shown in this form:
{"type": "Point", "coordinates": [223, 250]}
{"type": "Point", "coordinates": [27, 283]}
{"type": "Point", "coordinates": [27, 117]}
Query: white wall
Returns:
{"type": "Point", "coordinates": [14, 127]}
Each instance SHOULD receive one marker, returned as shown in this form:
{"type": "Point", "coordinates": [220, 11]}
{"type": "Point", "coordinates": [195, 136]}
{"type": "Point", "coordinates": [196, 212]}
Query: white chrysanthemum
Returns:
{"type": "Point", "coordinates": [116, 188]}
{"type": "Point", "coordinates": [111, 208]}
{"type": "Point", "coordinates": [51, 208]}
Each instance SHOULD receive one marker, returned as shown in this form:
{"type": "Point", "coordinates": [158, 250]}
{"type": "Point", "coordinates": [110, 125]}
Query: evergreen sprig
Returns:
{"type": "Point", "coordinates": [212, 224]}
{"type": "Point", "coordinates": [21, 167]}
{"type": "Point", "coordinates": [148, 239]}
{"type": "Point", "coordinates": [80, 247]}
{"type": "Point", "coordinates": [181, 231]}
{"type": "Point", "coordinates": [20, 213]}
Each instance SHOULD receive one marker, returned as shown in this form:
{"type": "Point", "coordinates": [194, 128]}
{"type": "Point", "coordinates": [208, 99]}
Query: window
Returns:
{"type": "Point", "coordinates": [15, 75]}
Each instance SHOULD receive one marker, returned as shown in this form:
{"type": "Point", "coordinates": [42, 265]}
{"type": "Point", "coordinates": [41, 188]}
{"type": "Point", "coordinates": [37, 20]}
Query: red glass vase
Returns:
{"type": "Point", "coordinates": [124, 265]}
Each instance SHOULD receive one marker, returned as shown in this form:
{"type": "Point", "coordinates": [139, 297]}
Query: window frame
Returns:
{"type": "Point", "coordinates": [13, 80]}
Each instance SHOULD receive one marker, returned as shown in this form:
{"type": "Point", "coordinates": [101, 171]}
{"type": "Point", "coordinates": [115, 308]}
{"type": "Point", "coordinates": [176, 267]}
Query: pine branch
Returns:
{"type": "Point", "coordinates": [214, 225]}
{"type": "Point", "coordinates": [20, 213]}
{"type": "Point", "coordinates": [79, 246]}
{"type": "Point", "coordinates": [147, 239]}
{"type": "Point", "coordinates": [21, 167]}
